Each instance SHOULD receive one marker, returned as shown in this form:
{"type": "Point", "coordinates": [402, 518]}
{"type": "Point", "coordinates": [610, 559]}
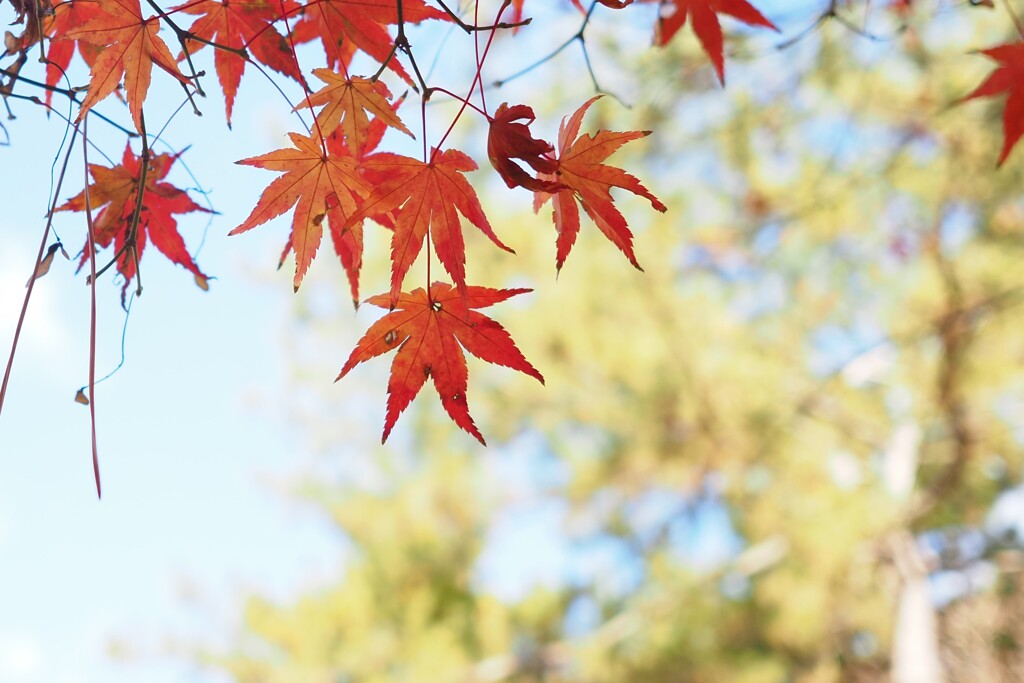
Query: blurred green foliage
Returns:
{"type": "Point", "coordinates": [826, 350]}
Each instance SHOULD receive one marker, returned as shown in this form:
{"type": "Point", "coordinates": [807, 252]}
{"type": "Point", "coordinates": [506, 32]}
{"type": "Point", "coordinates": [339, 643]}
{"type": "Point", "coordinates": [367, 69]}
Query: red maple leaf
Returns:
{"type": "Point", "coordinates": [242, 24]}
{"type": "Point", "coordinates": [587, 179]}
{"type": "Point", "coordinates": [509, 139]}
{"type": "Point", "coordinates": [430, 331]}
{"type": "Point", "coordinates": [703, 15]}
{"type": "Point", "coordinates": [346, 102]}
{"type": "Point", "coordinates": [116, 191]}
{"type": "Point", "coordinates": [127, 40]}
{"type": "Point", "coordinates": [319, 183]}
{"type": "Point", "coordinates": [431, 196]}
{"type": "Point", "coordinates": [343, 26]}
{"type": "Point", "coordinates": [348, 240]}
{"type": "Point", "coordinates": [1007, 78]}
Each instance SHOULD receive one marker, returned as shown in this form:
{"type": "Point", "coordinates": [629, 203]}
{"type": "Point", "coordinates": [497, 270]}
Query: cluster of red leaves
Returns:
{"type": "Point", "coordinates": [335, 178]}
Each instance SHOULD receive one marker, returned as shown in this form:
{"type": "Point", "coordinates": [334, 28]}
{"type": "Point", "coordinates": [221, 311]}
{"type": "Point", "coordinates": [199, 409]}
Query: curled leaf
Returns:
{"type": "Point", "coordinates": [44, 264]}
{"type": "Point", "coordinates": [509, 138]}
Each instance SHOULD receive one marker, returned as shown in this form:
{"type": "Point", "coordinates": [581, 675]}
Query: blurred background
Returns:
{"type": "Point", "coordinates": [790, 450]}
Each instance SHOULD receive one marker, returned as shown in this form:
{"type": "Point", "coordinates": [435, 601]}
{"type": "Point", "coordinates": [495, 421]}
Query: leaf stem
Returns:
{"type": "Point", "coordinates": [39, 258]}
{"type": "Point", "coordinates": [92, 308]}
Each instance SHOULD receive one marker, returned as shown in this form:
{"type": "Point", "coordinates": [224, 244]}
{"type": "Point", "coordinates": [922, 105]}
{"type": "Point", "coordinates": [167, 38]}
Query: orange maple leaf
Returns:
{"type": "Point", "coordinates": [1007, 78]}
{"type": "Point", "coordinates": [587, 179]}
{"type": "Point", "coordinates": [346, 102]}
{"type": "Point", "coordinates": [703, 14]}
{"type": "Point", "coordinates": [319, 184]}
{"type": "Point", "coordinates": [431, 196]}
{"type": "Point", "coordinates": [430, 331]}
{"type": "Point", "coordinates": [116, 191]}
{"type": "Point", "coordinates": [131, 47]}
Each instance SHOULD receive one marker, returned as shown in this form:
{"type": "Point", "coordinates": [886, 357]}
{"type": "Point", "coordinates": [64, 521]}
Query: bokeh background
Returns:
{"type": "Point", "coordinates": [790, 450]}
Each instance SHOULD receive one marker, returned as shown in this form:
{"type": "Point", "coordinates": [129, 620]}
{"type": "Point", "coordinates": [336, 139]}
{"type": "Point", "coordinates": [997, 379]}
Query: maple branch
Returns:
{"type": "Point", "coordinates": [432, 89]}
{"type": "Point", "coordinates": [578, 36]}
{"type": "Point", "coordinates": [31, 283]}
{"type": "Point", "coordinates": [70, 94]}
{"type": "Point", "coordinates": [92, 311]}
{"type": "Point", "coordinates": [402, 43]}
{"type": "Point", "coordinates": [384, 65]}
{"type": "Point", "coordinates": [183, 37]}
{"type": "Point", "coordinates": [469, 28]}
{"type": "Point", "coordinates": [832, 13]}
{"type": "Point", "coordinates": [133, 230]}
{"type": "Point", "coordinates": [477, 79]}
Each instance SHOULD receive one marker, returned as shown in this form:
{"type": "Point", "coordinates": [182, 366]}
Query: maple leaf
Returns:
{"type": "Point", "coordinates": [243, 25]}
{"type": "Point", "coordinates": [703, 15]}
{"type": "Point", "coordinates": [318, 183]}
{"type": "Point", "coordinates": [430, 331]}
{"type": "Point", "coordinates": [587, 179]}
{"type": "Point", "coordinates": [1007, 78]}
{"type": "Point", "coordinates": [348, 240]}
{"type": "Point", "coordinates": [131, 48]}
{"type": "Point", "coordinates": [508, 139]}
{"type": "Point", "coordinates": [430, 196]}
{"type": "Point", "coordinates": [346, 25]}
{"type": "Point", "coordinates": [346, 102]}
{"type": "Point", "coordinates": [116, 191]}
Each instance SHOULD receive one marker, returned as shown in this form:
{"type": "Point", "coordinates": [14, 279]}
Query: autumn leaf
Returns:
{"type": "Point", "coordinates": [318, 183]}
{"type": "Point", "coordinates": [509, 138]}
{"type": "Point", "coordinates": [131, 47]}
{"type": "Point", "coordinates": [427, 196]}
{"type": "Point", "coordinates": [343, 26]}
{"type": "Point", "coordinates": [346, 102]}
{"type": "Point", "coordinates": [429, 331]}
{"type": "Point", "coordinates": [1007, 78]}
{"type": "Point", "coordinates": [588, 180]}
{"type": "Point", "coordinates": [348, 240]}
{"type": "Point", "coordinates": [115, 193]}
{"type": "Point", "coordinates": [703, 15]}
{"type": "Point", "coordinates": [43, 267]}
{"type": "Point", "coordinates": [243, 25]}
